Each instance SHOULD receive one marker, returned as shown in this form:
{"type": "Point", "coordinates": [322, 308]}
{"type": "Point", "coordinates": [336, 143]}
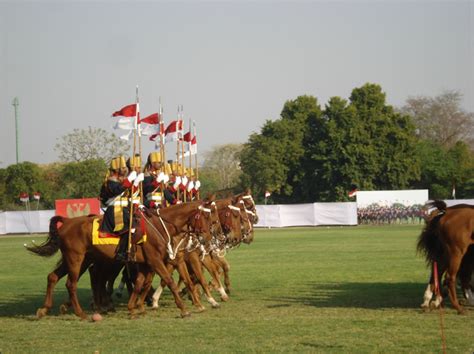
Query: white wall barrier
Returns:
{"type": "Point", "coordinates": [314, 214]}
{"type": "Point", "coordinates": [24, 222]}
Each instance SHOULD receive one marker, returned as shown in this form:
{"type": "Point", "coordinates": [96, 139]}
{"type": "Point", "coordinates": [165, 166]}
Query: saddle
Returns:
{"type": "Point", "coordinates": [105, 238]}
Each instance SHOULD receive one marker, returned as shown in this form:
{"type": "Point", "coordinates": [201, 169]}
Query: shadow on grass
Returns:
{"type": "Point", "coordinates": [26, 305]}
{"type": "Point", "coordinates": [356, 295]}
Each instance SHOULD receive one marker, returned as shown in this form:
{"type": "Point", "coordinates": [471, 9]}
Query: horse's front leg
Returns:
{"type": "Point", "coordinates": [184, 274]}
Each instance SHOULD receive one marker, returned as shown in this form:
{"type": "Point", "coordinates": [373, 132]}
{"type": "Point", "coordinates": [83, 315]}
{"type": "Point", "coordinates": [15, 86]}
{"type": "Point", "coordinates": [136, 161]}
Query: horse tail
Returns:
{"type": "Point", "coordinates": [429, 243]}
{"type": "Point", "coordinates": [51, 245]}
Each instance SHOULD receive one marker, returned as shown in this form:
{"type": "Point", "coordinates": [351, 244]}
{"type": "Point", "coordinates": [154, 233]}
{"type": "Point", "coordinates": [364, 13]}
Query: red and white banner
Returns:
{"type": "Point", "coordinates": [72, 208]}
{"type": "Point", "coordinates": [173, 130]}
{"type": "Point", "coordinates": [127, 111]}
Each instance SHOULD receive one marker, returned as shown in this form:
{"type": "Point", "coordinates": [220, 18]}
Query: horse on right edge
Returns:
{"type": "Point", "coordinates": [445, 239]}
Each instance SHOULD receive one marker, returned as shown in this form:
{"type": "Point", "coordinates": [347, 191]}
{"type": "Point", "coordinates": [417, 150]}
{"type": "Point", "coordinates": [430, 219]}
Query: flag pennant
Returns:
{"type": "Point", "coordinates": [126, 137]}
{"type": "Point", "coordinates": [37, 195]}
{"type": "Point", "coordinates": [187, 137]}
{"type": "Point", "coordinates": [151, 119]}
{"type": "Point", "coordinates": [151, 129]}
{"type": "Point", "coordinates": [127, 111]}
{"type": "Point", "coordinates": [352, 193]}
{"type": "Point", "coordinates": [192, 147]}
{"type": "Point", "coordinates": [24, 197]}
{"type": "Point", "coordinates": [126, 123]}
{"type": "Point", "coordinates": [173, 130]}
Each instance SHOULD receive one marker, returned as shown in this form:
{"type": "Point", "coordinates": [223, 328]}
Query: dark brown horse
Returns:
{"type": "Point", "coordinates": [446, 238]}
{"type": "Point", "coordinates": [74, 240]}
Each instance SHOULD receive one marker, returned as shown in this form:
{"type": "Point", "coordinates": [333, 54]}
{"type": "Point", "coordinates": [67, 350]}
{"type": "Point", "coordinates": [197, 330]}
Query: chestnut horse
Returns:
{"type": "Point", "coordinates": [446, 238]}
{"type": "Point", "coordinates": [74, 240]}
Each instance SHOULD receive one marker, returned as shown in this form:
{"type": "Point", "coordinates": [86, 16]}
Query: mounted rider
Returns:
{"type": "Point", "coordinates": [115, 196]}
{"type": "Point", "coordinates": [155, 181]}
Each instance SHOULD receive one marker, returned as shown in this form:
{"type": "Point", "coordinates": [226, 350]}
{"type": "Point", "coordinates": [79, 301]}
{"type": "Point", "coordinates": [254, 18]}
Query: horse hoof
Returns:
{"type": "Point", "coordinates": [155, 307]}
{"type": "Point", "coordinates": [63, 309]}
{"type": "Point", "coordinates": [185, 314]}
{"type": "Point", "coordinates": [41, 312]}
{"type": "Point", "coordinates": [201, 309]}
{"type": "Point", "coordinates": [225, 298]}
{"type": "Point", "coordinates": [216, 306]}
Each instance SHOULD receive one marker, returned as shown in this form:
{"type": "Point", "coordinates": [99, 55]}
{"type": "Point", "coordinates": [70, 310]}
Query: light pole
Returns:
{"type": "Point", "coordinates": [15, 104]}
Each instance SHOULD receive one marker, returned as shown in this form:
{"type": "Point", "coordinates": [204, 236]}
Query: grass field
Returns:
{"type": "Point", "coordinates": [337, 289]}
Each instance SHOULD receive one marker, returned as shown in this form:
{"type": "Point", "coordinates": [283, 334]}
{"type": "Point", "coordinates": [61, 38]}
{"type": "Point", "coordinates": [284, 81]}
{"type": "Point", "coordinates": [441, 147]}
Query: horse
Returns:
{"type": "Point", "coordinates": [446, 238]}
{"type": "Point", "coordinates": [74, 240]}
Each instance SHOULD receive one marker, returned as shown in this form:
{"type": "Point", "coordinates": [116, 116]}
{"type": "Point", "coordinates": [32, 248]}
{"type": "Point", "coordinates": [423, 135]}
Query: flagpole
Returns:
{"type": "Point", "coordinates": [177, 152]}
{"type": "Point", "coordinates": [133, 156]}
{"type": "Point", "coordinates": [162, 150]}
{"type": "Point", "coordinates": [183, 161]}
{"type": "Point", "coordinates": [196, 162]}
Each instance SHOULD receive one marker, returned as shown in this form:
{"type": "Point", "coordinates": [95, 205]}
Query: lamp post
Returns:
{"type": "Point", "coordinates": [15, 104]}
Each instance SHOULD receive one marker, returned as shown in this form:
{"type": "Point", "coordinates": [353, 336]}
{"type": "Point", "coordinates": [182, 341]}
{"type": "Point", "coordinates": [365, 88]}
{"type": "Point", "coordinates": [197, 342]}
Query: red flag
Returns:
{"type": "Point", "coordinates": [151, 119]}
{"type": "Point", "coordinates": [187, 137]}
{"type": "Point", "coordinates": [127, 111]}
{"type": "Point", "coordinates": [171, 131]}
{"type": "Point", "coordinates": [352, 193]}
{"type": "Point", "coordinates": [37, 195]}
{"type": "Point", "coordinates": [24, 197]}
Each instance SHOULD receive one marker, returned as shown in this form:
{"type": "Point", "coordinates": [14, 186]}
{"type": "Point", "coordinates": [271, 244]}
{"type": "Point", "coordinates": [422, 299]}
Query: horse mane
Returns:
{"type": "Point", "coordinates": [51, 245]}
{"type": "Point", "coordinates": [429, 243]}
{"type": "Point", "coordinates": [438, 204]}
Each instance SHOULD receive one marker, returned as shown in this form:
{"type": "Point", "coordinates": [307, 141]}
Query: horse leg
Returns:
{"type": "Point", "coordinates": [184, 274]}
{"type": "Point", "coordinates": [132, 302]}
{"type": "Point", "coordinates": [195, 263]}
{"type": "Point", "coordinates": [53, 278]}
{"type": "Point", "coordinates": [225, 268]}
{"type": "Point", "coordinates": [157, 294]}
{"type": "Point", "coordinates": [148, 279]}
{"type": "Point", "coordinates": [160, 268]}
{"type": "Point", "coordinates": [455, 261]}
{"type": "Point", "coordinates": [74, 263]}
{"type": "Point", "coordinates": [213, 271]}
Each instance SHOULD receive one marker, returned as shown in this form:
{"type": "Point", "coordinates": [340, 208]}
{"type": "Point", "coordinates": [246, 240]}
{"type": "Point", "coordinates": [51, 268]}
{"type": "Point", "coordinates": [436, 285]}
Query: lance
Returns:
{"type": "Point", "coordinates": [135, 127]}
{"type": "Point", "coordinates": [161, 132]}
{"type": "Point", "coordinates": [183, 164]}
{"type": "Point", "coordinates": [196, 162]}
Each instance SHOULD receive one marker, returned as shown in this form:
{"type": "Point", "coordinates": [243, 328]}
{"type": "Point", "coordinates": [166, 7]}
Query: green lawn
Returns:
{"type": "Point", "coordinates": [337, 289]}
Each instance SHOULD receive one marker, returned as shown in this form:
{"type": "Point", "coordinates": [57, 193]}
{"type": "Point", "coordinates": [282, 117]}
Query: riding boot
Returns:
{"type": "Point", "coordinates": [121, 251]}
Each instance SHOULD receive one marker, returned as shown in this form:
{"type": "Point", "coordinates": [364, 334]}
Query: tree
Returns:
{"type": "Point", "coordinates": [441, 119]}
{"type": "Point", "coordinates": [90, 144]}
{"type": "Point", "coordinates": [311, 154]}
{"type": "Point", "coordinates": [221, 164]}
{"type": "Point", "coordinates": [271, 160]}
{"type": "Point", "coordinates": [82, 179]}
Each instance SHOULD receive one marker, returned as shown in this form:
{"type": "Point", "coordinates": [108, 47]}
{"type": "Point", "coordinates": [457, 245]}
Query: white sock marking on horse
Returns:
{"type": "Point", "coordinates": [427, 296]}
{"type": "Point", "coordinates": [156, 297]}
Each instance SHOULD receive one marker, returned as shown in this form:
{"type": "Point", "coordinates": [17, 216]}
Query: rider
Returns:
{"type": "Point", "coordinates": [155, 181]}
{"type": "Point", "coordinates": [114, 196]}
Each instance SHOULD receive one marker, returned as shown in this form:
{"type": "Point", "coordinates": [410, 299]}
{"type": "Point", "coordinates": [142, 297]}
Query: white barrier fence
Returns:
{"type": "Point", "coordinates": [313, 214]}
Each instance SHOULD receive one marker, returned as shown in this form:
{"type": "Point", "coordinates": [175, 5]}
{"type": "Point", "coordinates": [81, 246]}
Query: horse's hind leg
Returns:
{"type": "Point", "coordinates": [53, 278]}
{"type": "Point", "coordinates": [455, 261]}
{"type": "Point", "coordinates": [74, 262]}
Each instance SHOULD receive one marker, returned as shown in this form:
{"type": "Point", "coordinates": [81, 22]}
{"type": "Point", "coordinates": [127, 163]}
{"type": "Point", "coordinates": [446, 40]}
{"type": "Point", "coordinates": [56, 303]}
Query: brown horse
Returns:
{"type": "Point", "coordinates": [74, 240]}
{"type": "Point", "coordinates": [446, 238]}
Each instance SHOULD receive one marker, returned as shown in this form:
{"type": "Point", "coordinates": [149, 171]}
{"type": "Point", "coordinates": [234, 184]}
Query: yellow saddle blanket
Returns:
{"type": "Point", "coordinates": [104, 238]}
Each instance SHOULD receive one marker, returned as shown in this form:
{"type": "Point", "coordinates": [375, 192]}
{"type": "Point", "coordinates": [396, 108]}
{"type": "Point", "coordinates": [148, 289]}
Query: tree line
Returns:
{"type": "Point", "coordinates": [311, 153]}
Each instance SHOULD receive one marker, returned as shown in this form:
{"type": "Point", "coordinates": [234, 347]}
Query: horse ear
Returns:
{"type": "Point", "coordinates": [212, 197]}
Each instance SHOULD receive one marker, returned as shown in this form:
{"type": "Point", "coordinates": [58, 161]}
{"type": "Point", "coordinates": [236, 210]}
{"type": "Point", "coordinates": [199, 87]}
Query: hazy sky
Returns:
{"type": "Point", "coordinates": [231, 64]}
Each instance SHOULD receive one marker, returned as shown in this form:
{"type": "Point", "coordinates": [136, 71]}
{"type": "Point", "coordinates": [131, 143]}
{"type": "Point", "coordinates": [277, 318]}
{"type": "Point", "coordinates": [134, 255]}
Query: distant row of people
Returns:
{"type": "Point", "coordinates": [395, 214]}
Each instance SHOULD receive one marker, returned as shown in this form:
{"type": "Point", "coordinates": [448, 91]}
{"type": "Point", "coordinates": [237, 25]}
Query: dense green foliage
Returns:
{"type": "Point", "coordinates": [338, 289]}
{"type": "Point", "coordinates": [54, 181]}
{"type": "Point", "coordinates": [318, 154]}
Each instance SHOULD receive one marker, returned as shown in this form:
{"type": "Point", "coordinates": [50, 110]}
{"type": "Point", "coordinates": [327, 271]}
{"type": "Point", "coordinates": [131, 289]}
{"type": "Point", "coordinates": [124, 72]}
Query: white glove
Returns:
{"type": "Point", "coordinates": [190, 186]}
{"type": "Point", "coordinates": [139, 179]}
{"type": "Point", "coordinates": [141, 207]}
{"type": "Point", "coordinates": [184, 181]}
{"type": "Point", "coordinates": [131, 177]}
{"type": "Point", "coordinates": [166, 179]}
{"type": "Point", "coordinates": [161, 177]}
{"type": "Point", "coordinates": [177, 182]}
{"type": "Point", "coordinates": [197, 185]}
